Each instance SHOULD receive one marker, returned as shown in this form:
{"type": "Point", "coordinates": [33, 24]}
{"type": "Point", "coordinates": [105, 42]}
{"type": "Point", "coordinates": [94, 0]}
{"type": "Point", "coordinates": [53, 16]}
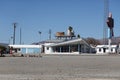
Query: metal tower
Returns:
{"type": "Point", "coordinates": [105, 28]}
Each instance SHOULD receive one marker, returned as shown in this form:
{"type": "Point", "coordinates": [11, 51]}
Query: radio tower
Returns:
{"type": "Point", "coordinates": [105, 28]}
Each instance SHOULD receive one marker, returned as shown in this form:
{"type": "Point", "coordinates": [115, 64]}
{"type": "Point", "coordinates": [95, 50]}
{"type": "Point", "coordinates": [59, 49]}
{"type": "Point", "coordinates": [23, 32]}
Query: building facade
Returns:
{"type": "Point", "coordinates": [26, 49]}
{"type": "Point", "coordinates": [104, 49]}
{"type": "Point", "coordinates": [73, 46]}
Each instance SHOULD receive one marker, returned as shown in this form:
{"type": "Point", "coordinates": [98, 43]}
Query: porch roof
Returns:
{"type": "Point", "coordinates": [70, 42]}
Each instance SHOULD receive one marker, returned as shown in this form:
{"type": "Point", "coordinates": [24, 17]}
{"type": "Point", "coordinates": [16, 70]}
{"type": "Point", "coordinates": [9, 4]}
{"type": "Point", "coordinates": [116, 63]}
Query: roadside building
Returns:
{"type": "Point", "coordinates": [4, 48]}
{"type": "Point", "coordinates": [104, 49]}
{"type": "Point", "coordinates": [73, 46]}
{"type": "Point", "coordinates": [63, 44]}
{"type": "Point", "coordinates": [26, 49]}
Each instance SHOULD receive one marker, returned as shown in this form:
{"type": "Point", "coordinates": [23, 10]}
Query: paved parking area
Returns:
{"type": "Point", "coordinates": [60, 68]}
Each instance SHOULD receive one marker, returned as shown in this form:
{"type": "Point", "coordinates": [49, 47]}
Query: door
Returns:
{"type": "Point", "coordinates": [104, 50]}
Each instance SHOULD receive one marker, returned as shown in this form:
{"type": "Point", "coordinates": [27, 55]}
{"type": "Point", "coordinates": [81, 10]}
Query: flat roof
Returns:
{"type": "Point", "coordinates": [105, 46]}
{"type": "Point", "coordinates": [72, 41]}
{"type": "Point", "coordinates": [25, 46]}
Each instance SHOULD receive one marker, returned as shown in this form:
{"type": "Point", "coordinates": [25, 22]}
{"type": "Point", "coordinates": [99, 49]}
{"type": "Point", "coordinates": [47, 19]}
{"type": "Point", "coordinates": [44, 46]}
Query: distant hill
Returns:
{"type": "Point", "coordinates": [89, 40]}
{"type": "Point", "coordinates": [115, 40]}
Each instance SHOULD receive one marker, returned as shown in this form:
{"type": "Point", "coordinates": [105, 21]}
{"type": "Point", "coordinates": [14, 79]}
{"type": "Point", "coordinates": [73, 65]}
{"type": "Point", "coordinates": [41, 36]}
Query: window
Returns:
{"type": "Point", "coordinates": [47, 48]}
{"type": "Point", "coordinates": [111, 50]}
{"type": "Point", "coordinates": [23, 50]}
{"type": "Point", "coordinates": [99, 49]}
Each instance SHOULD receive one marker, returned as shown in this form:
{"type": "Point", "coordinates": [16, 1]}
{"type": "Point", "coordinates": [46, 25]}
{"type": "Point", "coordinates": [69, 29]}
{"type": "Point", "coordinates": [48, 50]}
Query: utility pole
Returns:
{"type": "Point", "coordinates": [11, 39]}
{"type": "Point", "coordinates": [14, 25]}
{"type": "Point", "coordinates": [20, 35]}
{"type": "Point", "coordinates": [40, 33]}
{"type": "Point", "coordinates": [50, 34]}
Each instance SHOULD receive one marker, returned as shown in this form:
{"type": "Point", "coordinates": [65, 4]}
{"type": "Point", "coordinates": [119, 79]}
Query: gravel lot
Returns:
{"type": "Point", "coordinates": [60, 68]}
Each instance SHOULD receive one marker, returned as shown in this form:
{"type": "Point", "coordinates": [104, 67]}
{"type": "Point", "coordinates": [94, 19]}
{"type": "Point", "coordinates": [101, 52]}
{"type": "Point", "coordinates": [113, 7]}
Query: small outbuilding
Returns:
{"type": "Point", "coordinates": [26, 49]}
{"type": "Point", "coordinates": [104, 49]}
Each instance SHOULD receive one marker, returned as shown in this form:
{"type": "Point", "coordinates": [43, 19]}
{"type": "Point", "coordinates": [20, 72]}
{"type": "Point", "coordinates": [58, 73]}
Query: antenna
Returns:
{"type": "Point", "coordinates": [105, 28]}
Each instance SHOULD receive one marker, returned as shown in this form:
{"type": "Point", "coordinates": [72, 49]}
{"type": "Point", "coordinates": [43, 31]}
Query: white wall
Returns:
{"type": "Point", "coordinates": [101, 51]}
{"type": "Point", "coordinates": [106, 51]}
{"type": "Point", "coordinates": [27, 48]}
{"type": "Point", "coordinates": [48, 50]}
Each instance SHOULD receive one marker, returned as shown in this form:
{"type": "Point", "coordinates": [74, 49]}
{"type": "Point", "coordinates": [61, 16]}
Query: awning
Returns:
{"type": "Point", "coordinates": [68, 42]}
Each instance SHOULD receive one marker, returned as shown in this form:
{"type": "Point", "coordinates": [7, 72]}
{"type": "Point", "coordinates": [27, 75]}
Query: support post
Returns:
{"type": "Point", "coordinates": [60, 49]}
{"type": "Point", "coordinates": [79, 48]}
{"type": "Point", "coordinates": [69, 49]}
{"type": "Point", "coordinates": [109, 43]}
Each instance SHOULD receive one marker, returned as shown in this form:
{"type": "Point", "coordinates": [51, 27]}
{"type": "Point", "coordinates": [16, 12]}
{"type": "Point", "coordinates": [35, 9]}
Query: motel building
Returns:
{"type": "Point", "coordinates": [73, 46]}
{"type": "Point", "coordinates": [63, 44]}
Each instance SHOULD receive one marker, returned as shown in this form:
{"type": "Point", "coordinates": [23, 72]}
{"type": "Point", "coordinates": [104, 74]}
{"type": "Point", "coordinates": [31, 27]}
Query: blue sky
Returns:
{"type": "Point", "coordinates": [85, 16]}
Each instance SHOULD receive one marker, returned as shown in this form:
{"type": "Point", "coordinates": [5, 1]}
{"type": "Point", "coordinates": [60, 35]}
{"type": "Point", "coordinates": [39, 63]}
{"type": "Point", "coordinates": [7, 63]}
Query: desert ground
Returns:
{"type": "Point", "coordinates": [60, 68]}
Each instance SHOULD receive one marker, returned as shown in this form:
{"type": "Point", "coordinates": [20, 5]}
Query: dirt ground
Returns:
{"type": "Point", "coordinates": [60, 68]}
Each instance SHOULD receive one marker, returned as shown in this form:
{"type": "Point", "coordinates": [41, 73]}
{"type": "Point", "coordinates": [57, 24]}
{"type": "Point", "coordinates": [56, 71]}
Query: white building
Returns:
{"type": "Point", "coordinates": [73, 46]}
{"type": "Point", "coordinates": [104, 49]}
{"type": "Point", "coordinates": [26, 49]}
